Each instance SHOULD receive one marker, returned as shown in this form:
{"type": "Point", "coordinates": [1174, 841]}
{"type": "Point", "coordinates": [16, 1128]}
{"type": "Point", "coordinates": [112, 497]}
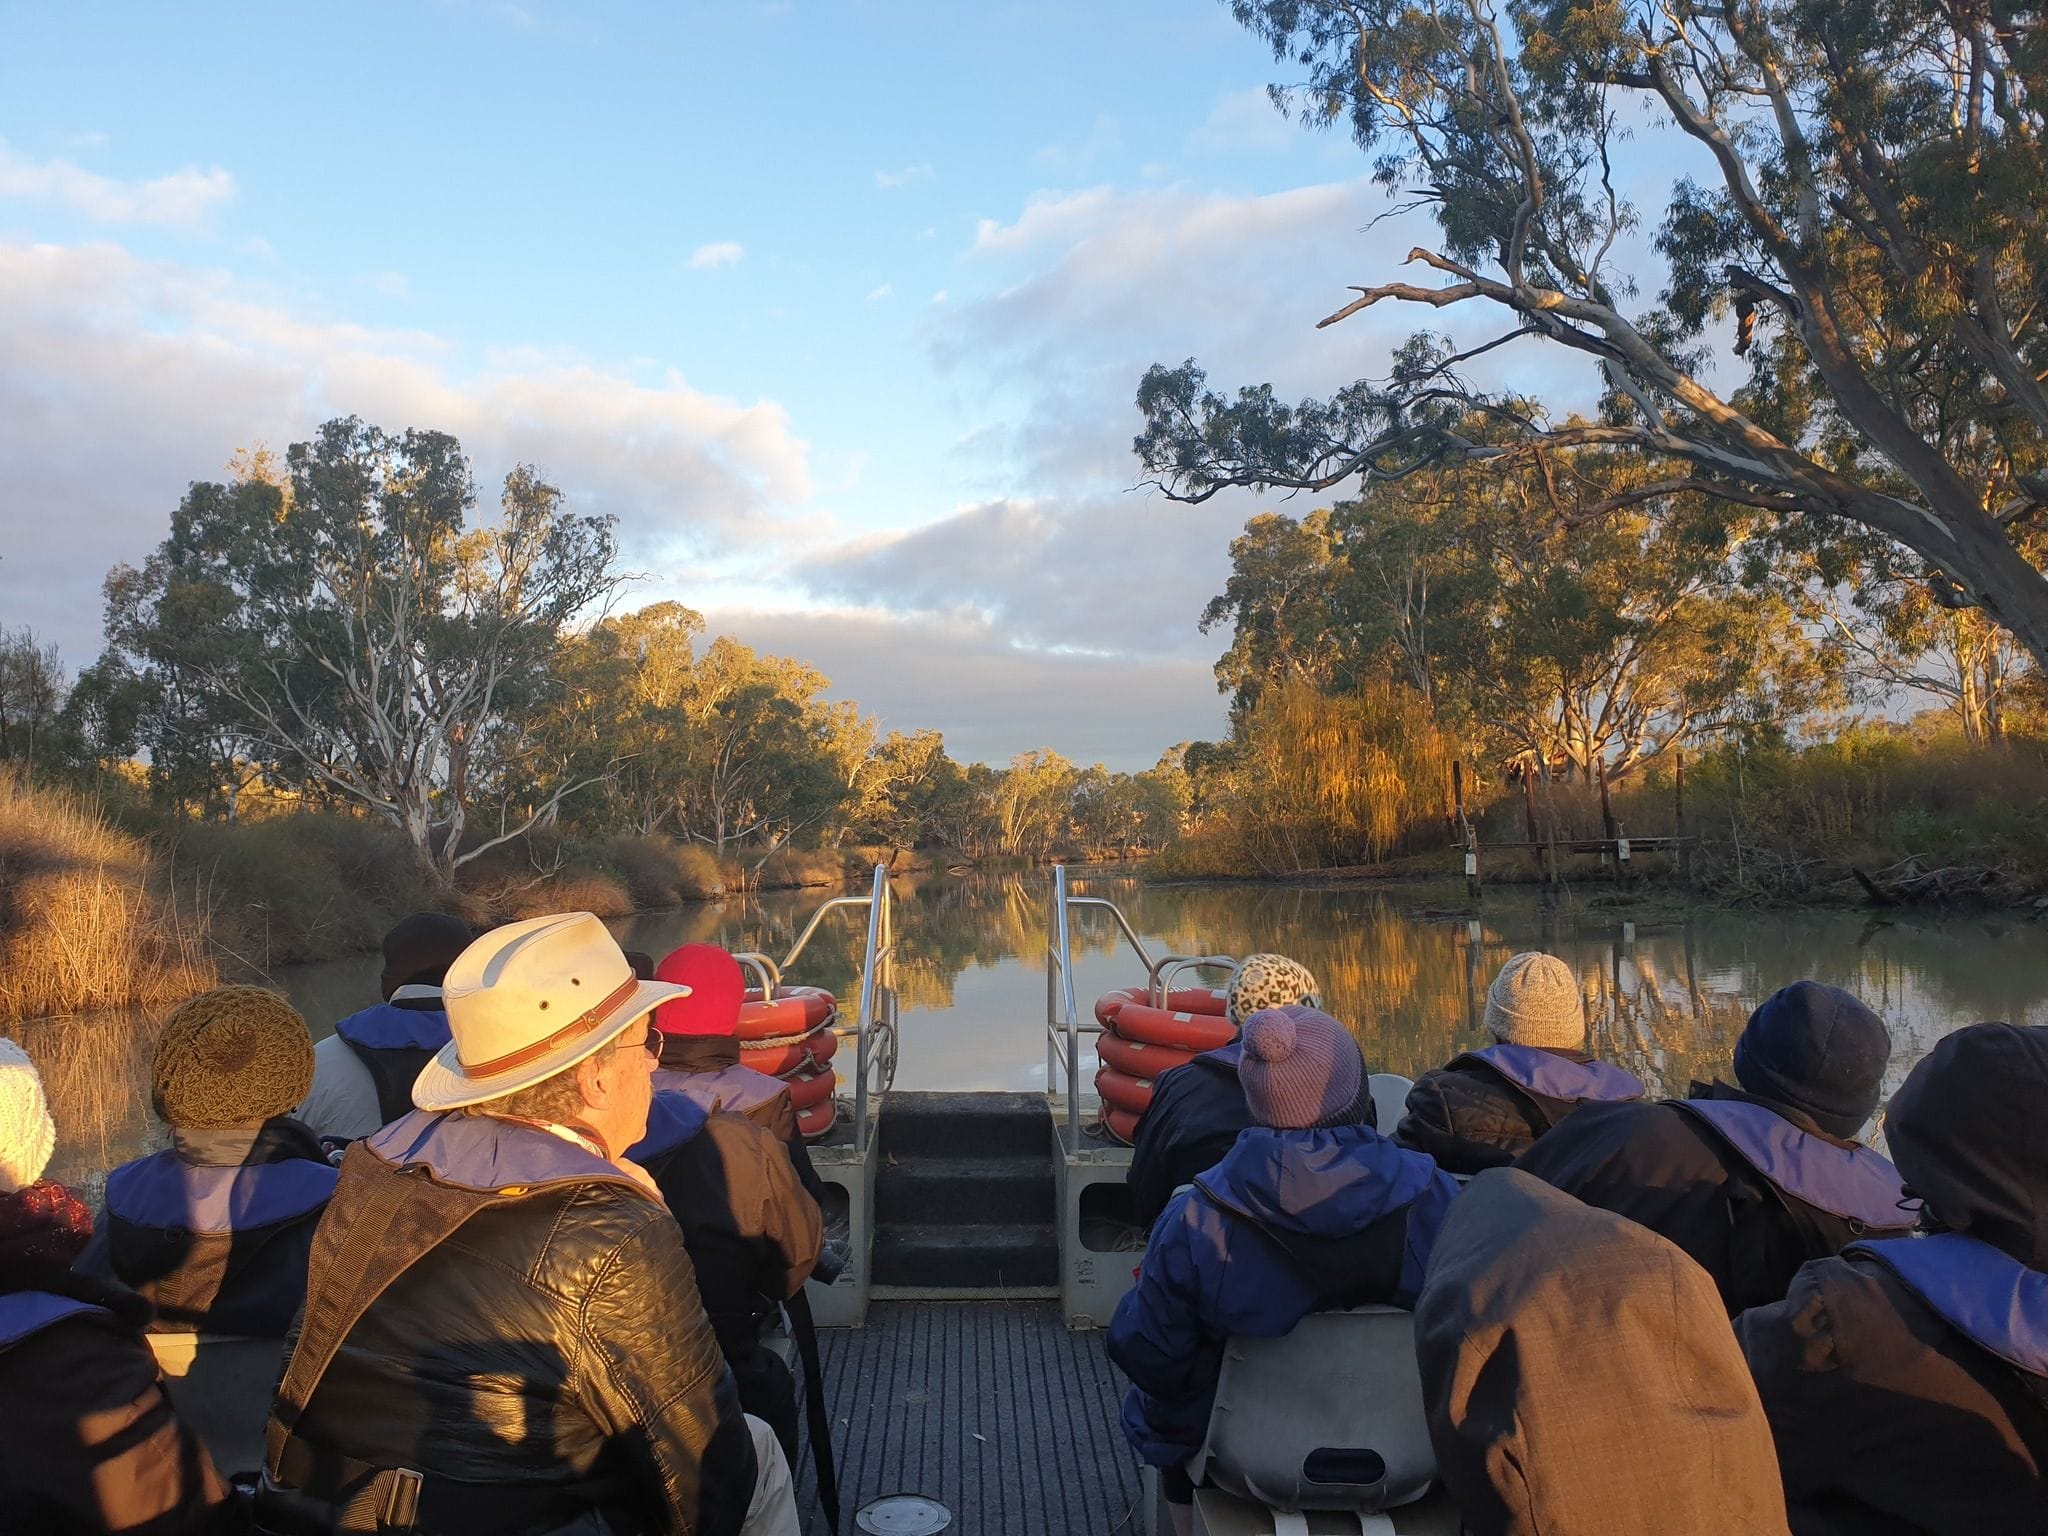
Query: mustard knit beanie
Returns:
{"type": "Point", "coordinates": [235, 1056]}
{"type": "Point", "coordinates": [1535, 1000]}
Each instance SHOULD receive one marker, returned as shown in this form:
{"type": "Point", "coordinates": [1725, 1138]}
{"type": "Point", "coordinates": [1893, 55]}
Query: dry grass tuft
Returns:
{"type": "Point", "coordinates": [88, 919]}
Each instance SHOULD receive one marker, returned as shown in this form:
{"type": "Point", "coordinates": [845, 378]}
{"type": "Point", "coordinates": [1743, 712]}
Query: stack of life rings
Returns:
{"type": "Point", "coordinates": [790, 1036]}
{"type": "Point", "coordinates": [1140, 1040]}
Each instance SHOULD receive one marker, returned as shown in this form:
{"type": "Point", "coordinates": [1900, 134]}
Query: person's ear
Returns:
{"type": "Point", "coordinates": [593, 1077]}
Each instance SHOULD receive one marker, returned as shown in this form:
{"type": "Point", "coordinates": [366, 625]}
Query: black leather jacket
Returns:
{"type": "Point", "coordinates": [548, 1367]}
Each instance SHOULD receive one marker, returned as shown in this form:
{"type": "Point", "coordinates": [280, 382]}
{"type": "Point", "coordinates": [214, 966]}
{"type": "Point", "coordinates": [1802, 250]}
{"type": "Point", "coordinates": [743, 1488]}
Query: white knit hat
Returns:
{"type": "Point", "coordinates": [1535, 1001]}
{"type": "Point", "coordinates": [27, 1134]}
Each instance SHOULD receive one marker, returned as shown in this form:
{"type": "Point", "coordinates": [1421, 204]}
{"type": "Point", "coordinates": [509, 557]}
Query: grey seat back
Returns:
{"type": "Point", "coordinates": [1389, 1099]}
{"type": "Point", "coordinates": [1328, 1417]}
{"type": "Point", "coordinates": [222, 1387]}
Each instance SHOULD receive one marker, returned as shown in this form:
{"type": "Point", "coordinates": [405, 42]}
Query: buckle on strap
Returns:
{"type": "Point", "coordinates": [398, 1508]}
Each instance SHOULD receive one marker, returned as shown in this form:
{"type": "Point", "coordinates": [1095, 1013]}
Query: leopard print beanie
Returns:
{"type": "Point", "coordinates": [1269, 981]}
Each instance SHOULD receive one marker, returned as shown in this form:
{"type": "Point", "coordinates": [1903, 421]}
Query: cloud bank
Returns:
{"type": "Point", "coordinates": [183, 197]}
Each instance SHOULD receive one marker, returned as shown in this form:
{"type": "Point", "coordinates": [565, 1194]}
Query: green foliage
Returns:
{"type": "Point", "coordinates": [1866, 210]}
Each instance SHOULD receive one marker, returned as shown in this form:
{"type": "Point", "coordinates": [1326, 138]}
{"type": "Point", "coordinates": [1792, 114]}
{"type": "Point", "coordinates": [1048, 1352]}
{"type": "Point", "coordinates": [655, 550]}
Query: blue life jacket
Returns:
{"type": "Point", "coordinates": [736, 1090]}
{"type": "Point", "coordinates": [1853, 1183]}
{"type": "Point", "coordinates": [1551, 1076]}
{"type": "Point", "coordinates": [672, 1119]}
{"type": "Point", "coordinates": [394, 1042]}
{"type": "Point", "coordinates": [482, 1152]}
{"type": "Point", "coordinates": [1982, 1292]}
{"type": "Point", "coordinates": [24, 1313]}
{"type": "Point", "coordinates": [164, 1192]}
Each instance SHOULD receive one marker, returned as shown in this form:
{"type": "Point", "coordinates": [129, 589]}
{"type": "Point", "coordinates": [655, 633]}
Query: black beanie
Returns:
{"type": "Point", "coordinates": [420, 949]}
{"type": "Point", "coordinates": [1967, 1134]}
{"type": "Point", "coordinates": [1816, 1049]}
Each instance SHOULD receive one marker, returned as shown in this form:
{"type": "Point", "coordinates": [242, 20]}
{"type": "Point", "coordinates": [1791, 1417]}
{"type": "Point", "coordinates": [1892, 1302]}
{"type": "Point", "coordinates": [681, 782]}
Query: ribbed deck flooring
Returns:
{"type": "Point", "coordinates": [993, 1408]}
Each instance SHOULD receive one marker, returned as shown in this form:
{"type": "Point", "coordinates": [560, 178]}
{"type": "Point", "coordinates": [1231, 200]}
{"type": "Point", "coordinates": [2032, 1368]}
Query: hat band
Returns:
{"type": "Point", "coordinates": [584, 1023]}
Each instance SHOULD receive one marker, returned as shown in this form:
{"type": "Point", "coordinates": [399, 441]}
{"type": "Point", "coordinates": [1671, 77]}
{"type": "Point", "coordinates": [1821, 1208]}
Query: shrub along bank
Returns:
{"type": "Point", "coordinates": [104, 905]}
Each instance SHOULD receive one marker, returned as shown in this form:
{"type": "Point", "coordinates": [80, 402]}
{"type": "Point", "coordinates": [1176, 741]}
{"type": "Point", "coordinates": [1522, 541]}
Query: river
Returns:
{"type": "Point", "coordinates": [1666, 997]}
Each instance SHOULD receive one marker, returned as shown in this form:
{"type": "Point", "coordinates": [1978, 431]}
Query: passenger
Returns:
{"type": "Point", "coordinates": [752, 1232]}
{"type": "Point", "coordinates": [1311, 1210]}
{"type": "Point", "coordinates": [92, 1443]}
{"type": "Point", "coordinates": [1487, 1107]}
{"type": "Point", "coordinates": [1752, 1182]}
{"type": "Point", "coordinates": [1907, 1380]}
{"type": "Point", "coordinates": [700, 1052]}
{"type": "Point", "coordinates": [214, 1230]}
{"type": "Point", "coordinates": [1198, 1110]}
{"type": "Point", "coordinates": [363, 1072]}
{"type": "Point", "coordinates": [502, 1329]}
{"type": "Point", "coordinates": [1578, 1376]}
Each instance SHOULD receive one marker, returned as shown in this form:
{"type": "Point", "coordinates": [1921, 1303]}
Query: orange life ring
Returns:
{"type": "Point", "coordinates": [778, 1060]}
{"type": "Point", "coordinates": [817, 1120]}
{"type": "Point", "coordinates": [1180, 1030]}
{"type": "Point", "coordinates": [809, 1089]}
{"type": "Point", "coordinates": [1120, 1090]}
{"type": "Point", "coordinates": [1214, 1001]}
{"type": "Point", "coordinates": [1121, 1124]}
{"type": "Point", "coordinates": [1137, 1059]}
{"type": "Point", "coordinates": [1200, 1002]}
{"type": "Point", "coordinates": [790, 1012]}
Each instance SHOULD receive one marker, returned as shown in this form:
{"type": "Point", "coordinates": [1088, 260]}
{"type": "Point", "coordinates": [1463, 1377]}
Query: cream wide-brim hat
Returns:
{"type": "Point", "coordinates": [529, 1000]}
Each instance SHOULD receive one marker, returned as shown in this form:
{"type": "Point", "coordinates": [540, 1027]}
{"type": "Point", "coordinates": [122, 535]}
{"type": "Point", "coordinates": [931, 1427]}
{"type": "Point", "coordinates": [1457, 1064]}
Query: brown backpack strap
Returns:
{"type": "Point", "coordinates": [379, 1223]}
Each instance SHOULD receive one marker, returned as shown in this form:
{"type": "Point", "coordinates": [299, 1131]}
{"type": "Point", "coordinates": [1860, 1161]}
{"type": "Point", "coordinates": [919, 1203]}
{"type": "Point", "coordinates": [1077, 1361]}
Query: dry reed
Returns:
{"type": "Point", "coordinates": [87, 918]}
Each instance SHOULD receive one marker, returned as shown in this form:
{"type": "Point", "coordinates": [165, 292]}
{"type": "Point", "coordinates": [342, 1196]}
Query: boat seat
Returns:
{"type": "Point", "coordinates": [221, 1386]}
{"type": "Point", "coordinates": [776, 1337]}
{"type": "Point", "coordinates": [1389, 1099]}
{"type": "Point", "coordinates": [1327, 1417]}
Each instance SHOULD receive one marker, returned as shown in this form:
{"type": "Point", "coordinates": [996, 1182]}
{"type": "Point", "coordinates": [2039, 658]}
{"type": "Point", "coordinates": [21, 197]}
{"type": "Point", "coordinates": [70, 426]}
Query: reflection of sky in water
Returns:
{"type": "Point", "coordinates": [1667, 999]}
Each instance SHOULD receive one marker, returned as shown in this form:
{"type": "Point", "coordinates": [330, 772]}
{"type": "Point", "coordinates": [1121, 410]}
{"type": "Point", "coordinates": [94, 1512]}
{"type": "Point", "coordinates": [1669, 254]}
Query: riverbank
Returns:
{"type": "Point", "coordinates": [1873, 818]}
{"type": "Point", "coordinates": [106, 905]}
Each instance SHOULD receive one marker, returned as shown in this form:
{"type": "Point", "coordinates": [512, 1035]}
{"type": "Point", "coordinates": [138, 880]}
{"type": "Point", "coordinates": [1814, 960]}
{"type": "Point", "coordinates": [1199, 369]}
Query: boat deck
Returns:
{"type": "Point", "coordinates": [996, 1409]}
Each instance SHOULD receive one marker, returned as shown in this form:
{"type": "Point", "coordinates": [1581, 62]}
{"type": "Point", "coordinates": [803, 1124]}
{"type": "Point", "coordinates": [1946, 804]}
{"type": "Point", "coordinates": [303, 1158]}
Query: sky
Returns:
{"type": "Point", "coordinates": [839, 308]}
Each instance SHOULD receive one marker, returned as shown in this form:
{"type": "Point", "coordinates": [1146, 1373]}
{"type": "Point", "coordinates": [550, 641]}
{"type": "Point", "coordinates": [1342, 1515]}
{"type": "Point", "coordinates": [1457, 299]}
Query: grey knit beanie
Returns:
{"type": "Point", "coordinates": [1535, 1001]}
{"type": "Point", "coordinates": [1301, 1068]}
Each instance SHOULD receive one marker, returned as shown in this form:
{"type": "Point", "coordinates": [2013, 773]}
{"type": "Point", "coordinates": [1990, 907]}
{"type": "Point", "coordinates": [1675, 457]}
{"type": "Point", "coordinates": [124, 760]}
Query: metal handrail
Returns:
{"type": "Point", "coordinates": [1159, 979]}
{"type": "Point", "coordinates": [878, 1002]}
{"type": "Point", "coordinates": [1063, 1025]}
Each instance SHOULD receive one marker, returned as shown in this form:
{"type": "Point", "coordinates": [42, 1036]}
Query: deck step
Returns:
{"type": "Point", "coordinates": [962, 1124]}
{"type": "Point", "coordinates": [949, 1190]}
{"type": "Point", "coordinates": [956, 1255]}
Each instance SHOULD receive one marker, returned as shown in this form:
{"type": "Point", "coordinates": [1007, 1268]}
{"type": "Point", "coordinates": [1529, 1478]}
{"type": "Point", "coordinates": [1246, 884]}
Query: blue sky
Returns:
{"type": "Point", "coordinates": [839, 307]}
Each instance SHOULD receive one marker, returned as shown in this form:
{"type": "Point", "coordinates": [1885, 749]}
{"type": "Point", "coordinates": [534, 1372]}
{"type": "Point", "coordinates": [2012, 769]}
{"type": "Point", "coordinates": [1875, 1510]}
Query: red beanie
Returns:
{"type": "Point", "coordinates": [713, 1006]}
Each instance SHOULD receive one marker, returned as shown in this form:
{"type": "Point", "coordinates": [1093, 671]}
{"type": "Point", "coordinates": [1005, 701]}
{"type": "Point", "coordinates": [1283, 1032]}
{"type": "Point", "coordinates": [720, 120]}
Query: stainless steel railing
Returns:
{"type": "Point", "coordinates": [873, 1030]}
{"type": "Point", "coordinates": [1064, 1023]}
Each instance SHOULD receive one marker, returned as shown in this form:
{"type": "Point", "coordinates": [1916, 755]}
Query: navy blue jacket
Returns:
{"type": "Point", "coordinates": [1196, 1113]}
{"type": "Point", "coordinates": [1486, 1108]}
{"type": "Point", "coordinates": [215, 1229]}
{"type": "Point", "coordinates": [394, 1041]}
{"type": "Point", "coordinates": [1288, 1223]}
{"type": "Point", "coordinates": [1744, 1188]}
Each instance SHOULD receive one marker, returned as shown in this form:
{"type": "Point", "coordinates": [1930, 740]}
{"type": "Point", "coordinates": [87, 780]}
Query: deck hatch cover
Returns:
{"type": "Point", "coordinates": [903, 1514]}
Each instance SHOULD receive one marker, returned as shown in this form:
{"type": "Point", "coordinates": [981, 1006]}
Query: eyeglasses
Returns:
{"type": "Point", "coordinates": [649, 1042]}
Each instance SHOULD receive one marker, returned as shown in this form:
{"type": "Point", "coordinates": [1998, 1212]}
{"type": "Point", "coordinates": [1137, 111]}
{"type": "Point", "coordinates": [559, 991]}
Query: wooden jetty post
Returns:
{"type": "Point", "coordinates": [1466, 834]}
{"type": "Point", "coordinates": [1529, 820]}
{"type": "Point", "coordinates": [1612, 828]}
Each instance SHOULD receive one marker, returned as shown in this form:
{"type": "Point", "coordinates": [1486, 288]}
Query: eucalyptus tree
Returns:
{"type": "Point", "coordinates": [1867, 220]}
{"type": "Point", "coordinates": [350, 634]}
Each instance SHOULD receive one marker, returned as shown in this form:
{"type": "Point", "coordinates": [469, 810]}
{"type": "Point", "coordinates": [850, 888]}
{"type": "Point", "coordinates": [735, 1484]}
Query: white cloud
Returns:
{"type": "Point", "coordinates": [910, 175]}
{"type": "Point", "coordinates": [723, 253]}
{"type": "Point", "coordinates": [183, 197]}
{"type": "Point", "coordinates": [886, 290]}
{"type": "Point", "coordinates": [959, 674]}
{"type": "Point", "coordinates": [121, 380]}
{"type": "Point", "coordinates": [1242, 120]}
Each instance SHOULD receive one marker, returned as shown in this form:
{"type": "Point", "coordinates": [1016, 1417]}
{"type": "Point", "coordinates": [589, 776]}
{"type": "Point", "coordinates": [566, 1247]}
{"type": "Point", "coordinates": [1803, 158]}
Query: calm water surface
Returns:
{"type": "Point", "coordinates": [1667, 998]}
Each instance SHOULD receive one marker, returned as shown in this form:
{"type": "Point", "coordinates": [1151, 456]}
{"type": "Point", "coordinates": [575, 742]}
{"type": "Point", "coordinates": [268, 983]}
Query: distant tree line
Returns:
{"type": "Point", "coordinates": [339, 629]}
